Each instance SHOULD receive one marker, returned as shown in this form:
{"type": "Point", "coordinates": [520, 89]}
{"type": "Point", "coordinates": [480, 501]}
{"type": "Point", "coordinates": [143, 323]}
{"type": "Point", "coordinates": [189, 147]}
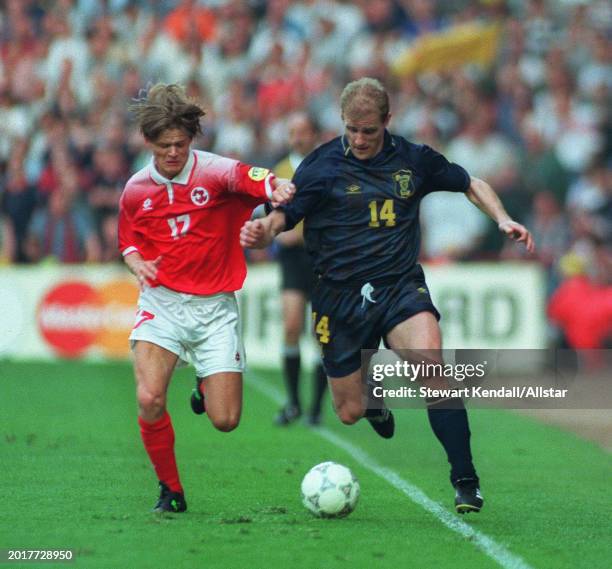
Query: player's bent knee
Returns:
{"type": "Point", "coordinates": [349, 414]}
{"type": "Point", "coordinates": [349, 418]}
{"type": "Point", "coordinates": [226, 423]}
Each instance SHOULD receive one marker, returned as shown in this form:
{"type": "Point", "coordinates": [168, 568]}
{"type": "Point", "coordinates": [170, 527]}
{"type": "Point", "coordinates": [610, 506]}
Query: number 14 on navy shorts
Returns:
{"type": "Point", "coordinates": [348, 319]}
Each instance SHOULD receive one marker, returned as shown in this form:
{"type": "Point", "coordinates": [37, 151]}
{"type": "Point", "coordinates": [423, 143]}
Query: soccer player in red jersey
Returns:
{"type": "Point", "coordinates": [179, 224]}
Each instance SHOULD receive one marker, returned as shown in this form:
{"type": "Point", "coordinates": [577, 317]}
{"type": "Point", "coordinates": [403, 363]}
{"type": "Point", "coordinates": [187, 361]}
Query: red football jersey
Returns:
{"type": "Point", "coordinates": [193, 221]}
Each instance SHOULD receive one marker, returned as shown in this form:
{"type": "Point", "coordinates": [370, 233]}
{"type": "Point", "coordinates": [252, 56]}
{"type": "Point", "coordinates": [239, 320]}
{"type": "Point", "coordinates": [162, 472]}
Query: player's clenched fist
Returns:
{"type": "Point", "coordinates": [283, 192]}
{"type": "Point", "coordinates": [255, 234]}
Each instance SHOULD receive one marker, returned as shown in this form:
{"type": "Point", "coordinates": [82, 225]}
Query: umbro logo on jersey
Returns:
{"type": "Point", "coordinates": [147, 204]}
{"type": "Point", "coordinates": [200, 195]}
{"type": "Point", "coordinates": [353, 189]}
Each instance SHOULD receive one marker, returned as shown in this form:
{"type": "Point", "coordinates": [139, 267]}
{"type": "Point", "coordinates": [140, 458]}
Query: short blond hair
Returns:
{"type": "Point", "coordinates": [364, 95]}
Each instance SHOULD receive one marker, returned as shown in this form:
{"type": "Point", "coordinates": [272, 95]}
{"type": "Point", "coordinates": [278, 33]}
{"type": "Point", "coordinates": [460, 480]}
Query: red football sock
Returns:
{"type": "Point", "coordinates": [158, 439]}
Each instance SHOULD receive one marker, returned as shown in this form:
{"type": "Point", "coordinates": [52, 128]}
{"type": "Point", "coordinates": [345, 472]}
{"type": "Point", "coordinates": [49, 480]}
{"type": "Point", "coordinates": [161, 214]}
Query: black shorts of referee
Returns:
{"type": "Point", "coordinates": [296, 270]}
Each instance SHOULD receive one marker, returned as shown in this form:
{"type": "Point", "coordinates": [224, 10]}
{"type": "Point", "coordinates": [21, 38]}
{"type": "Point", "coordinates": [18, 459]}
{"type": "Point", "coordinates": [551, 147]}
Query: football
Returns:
{"type": "Point", "coordinates": [330, 490]}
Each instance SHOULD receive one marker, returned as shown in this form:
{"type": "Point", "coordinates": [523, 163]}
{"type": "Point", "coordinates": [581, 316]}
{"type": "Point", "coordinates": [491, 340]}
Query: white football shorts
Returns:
{"type": "Point", "coordinates": [201, 330]}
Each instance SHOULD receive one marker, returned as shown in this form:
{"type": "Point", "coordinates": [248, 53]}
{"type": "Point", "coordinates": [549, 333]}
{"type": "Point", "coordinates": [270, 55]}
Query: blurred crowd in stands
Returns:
{"type": "Point", "coordinates": [535, 122]}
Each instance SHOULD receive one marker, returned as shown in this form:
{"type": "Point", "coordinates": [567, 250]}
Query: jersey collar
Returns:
{"type": "Point", "coordinates": [181, 178]}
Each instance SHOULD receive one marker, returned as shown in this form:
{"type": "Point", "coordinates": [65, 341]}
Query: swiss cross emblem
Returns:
{"type": "Point", "coordinates": [199, 195]}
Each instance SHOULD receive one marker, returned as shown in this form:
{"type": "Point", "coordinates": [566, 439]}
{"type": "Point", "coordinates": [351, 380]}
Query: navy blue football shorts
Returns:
{"type": "Point", "coordinates": [348, 319]}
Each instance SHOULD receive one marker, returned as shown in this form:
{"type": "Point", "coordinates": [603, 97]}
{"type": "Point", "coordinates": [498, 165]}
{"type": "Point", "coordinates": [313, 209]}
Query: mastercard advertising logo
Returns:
{"type": "Point", "coordinates": [75, 316]}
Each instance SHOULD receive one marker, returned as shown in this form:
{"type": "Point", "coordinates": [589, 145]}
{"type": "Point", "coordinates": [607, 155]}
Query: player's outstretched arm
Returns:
{"type": "Point", "coordinates": [283, 192]}
{"type": "Point", "coordinates": [259, 233]}
{"type": "Point", "coordinates": [484, 197]}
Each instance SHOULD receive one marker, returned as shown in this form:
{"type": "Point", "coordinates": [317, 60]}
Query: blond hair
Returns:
{"type": "Point", "coordinates": [167, 107]}
{"type": "Point", "coordinates": [364, 95]}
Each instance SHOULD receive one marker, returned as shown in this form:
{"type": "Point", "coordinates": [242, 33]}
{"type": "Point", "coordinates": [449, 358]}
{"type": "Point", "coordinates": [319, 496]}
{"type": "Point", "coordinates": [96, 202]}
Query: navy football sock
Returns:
{"type": "Point", "coordinates": [373, 412]}
{"type": "Point", "coordinates": [449, 422]}
{"type": "Point", "coordinates": [320, 385]}
{"type": "Point", "coordinates": [375, 405]}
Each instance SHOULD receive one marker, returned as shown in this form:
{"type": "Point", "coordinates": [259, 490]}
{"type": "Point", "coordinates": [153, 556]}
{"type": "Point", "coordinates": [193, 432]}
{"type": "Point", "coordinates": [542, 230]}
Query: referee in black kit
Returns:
{"type": "Point", "coordinates": [359, 197]}
{"type": "Point", "coordinates": [297, 283]}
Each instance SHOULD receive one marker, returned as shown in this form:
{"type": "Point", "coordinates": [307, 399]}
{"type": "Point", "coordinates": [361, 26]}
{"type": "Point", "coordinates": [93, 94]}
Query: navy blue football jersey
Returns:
{"type": "Point", "coordinates": [361, 217]}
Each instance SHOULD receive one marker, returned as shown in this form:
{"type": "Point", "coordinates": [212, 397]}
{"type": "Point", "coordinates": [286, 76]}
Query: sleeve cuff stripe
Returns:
{"type": "Point", "coordinates": [128, 250]}
{"type": "Point", "coordinates": [268, 183]}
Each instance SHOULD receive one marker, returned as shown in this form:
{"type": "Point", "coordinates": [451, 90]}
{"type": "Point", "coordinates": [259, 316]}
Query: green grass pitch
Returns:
{"type": "Point", "coordinates": [74, 475]}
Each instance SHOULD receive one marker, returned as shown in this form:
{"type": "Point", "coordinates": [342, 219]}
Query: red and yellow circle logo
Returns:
{"type": "Point", "coordinates": [75, 316]}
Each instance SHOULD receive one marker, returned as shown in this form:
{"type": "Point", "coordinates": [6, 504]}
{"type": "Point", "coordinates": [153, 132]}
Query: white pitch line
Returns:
{"type": "Point", "coordinates": [482, 541]}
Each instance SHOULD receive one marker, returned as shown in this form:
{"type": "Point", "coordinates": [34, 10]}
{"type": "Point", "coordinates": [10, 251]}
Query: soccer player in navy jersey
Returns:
{"type": "Point", "coordinates": [179, 224]}
{"type": "Point", "coordinates": [359, 197]}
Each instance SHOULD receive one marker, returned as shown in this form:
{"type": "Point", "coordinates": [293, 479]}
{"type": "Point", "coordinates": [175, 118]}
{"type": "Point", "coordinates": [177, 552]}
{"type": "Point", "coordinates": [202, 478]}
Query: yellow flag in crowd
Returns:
{"type": "Point", "coordinates": [467, 43]}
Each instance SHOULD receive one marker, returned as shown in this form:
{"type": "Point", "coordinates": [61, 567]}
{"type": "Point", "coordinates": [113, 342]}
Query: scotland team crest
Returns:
{"type": "Point", "coordinates": [403, 186]}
